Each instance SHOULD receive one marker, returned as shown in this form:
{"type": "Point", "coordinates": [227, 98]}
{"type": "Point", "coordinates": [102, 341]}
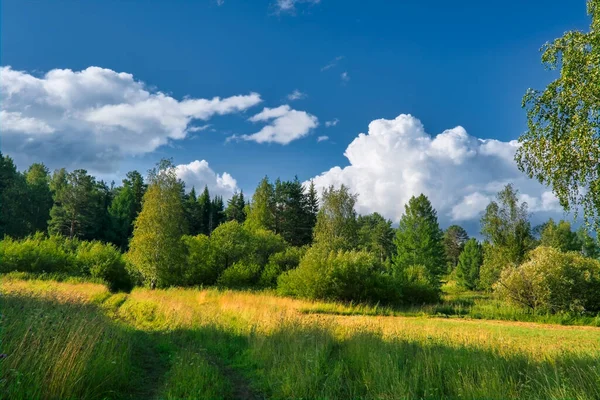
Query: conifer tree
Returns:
{"type": "Point", "coordinates": [156, 249]}
{"type": "Point", "coordinates": [469, 263]}
{"type": "Point", "coordinates": [235, 210]}
{"type": "Point", "coordinates": [217, 213]}
{"type": "Point", "coordinates": [419, 239]}
{"type": "Point", "coordinates": [192, 213]}
{"type": "Point", "coordinates": [204, 211]}
{"type": "Point", "coordinates": [78, 205]}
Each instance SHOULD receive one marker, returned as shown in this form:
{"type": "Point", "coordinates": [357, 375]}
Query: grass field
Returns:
{"type": "Point", "coordinates": [76, 340]}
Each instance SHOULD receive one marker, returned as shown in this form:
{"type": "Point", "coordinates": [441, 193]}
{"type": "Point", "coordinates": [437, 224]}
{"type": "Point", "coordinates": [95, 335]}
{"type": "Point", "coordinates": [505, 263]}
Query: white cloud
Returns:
{"type": "Point", "coordinates": [459, 173]}
{"type": "Point", "coordinates": [198, 174]}
{"type": "Point", "coordinates": [15, 122]}
{"type": "Point", "coordinates": [333, 122]}
{"type": "Point", "coordinates": [332, 63]}
{"type": "Point", "coordinates": [95, 117]}
{"type": "Point", "coordinates": [285, 125]}
{"type": "Point", "coordinates": [296, 95]}
{"type": "Point", "coordinates": [289, 6]}
{"type": "Point", "coordinates": [345, 77]}
{"type": "Point", "coordinates": [322, 138]}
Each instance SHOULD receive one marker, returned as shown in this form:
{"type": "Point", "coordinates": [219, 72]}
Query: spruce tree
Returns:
{"type": "Point", "coordinates": [204, 211]}
{"type": "Point", "coordinates": [217, 213]}
{"type": "Point", "coordinates": [125, 207]}
{"type": "Point", "coordinates": [419, 239]}
{"type": "Point", "coordinates": [469, 264]}
{"type": "Point", "coordinates": [192, 213]}
{"type": "Point", "coordinates": [235, 210]}
{"type": "Point", "coordinates": [156, 249]}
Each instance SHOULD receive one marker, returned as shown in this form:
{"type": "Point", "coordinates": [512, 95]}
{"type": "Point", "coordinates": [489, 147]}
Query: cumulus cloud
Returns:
{"type": "Point", "coordinates": [322, 138]}
{"type": "Point", "coordinates": [459, 173]}
{"type": "Point", "coordinates": [198, 174]}
{"type": "Point", "coordinates": [95, 117]}
{"type": "Point", "coordinates": [333, 122]}
{"type": "Point", "coordinates": [296, 95]}
{"type": "Point", "coordinates": [284, 125]}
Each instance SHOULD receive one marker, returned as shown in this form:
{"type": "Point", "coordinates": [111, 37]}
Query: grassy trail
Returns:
{"type": "Point", "coordinates": [68, 341]}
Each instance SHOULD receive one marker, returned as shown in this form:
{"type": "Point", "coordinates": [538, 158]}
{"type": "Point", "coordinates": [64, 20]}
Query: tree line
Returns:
{"type": "Point", "coordinates": [287, 237]}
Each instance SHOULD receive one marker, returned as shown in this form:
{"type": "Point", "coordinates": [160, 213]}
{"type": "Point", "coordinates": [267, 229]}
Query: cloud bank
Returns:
{"type": "Point", "coordinates": [459, 173]}
{"type": "Point", "coordinates": [95, 117]}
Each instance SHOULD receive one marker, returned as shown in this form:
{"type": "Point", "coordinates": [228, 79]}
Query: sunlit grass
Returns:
{"type": "Point", "coordinates": [218, 344]}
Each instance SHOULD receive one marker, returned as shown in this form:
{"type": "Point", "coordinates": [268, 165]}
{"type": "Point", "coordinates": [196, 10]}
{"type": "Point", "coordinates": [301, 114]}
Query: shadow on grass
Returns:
{"type": "Point", "coordinates": [66, 351]}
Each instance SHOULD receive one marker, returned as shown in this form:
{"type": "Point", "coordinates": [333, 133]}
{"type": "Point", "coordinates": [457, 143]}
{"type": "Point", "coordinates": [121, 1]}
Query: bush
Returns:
{"type": "Point", "coordinates": [104, 261]}
{"type": "Point", "coordinates": [231, 243]}
{"type": "Point", "coordinates": [418, 287]}
{"type": "Point", "coordinates": [495, 260]}
{"type": "Point", "coordinates": [240, 275]}
{"type": "Point", "coordinates": [279, 263]}
{"type": "Point", "coordinates": [38, 254]}
{"type": "Point", "coordinates": [201, 268]}
{"type": "Point", "coordinates": [337, 275]}
{"type": "Point", "coordinates": [553, 281]}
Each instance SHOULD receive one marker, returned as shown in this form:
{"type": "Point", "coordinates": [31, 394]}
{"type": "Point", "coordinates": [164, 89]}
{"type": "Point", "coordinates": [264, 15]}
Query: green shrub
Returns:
{"type": "Point", "coordinates": [240, 275]}
{"type": "Point", "coordinates": [417, 285]}
{"type": "Point", "coordinates": [553, 281]}
{"type": "Point", "coordinates": [279, 263]}
{"type": "Point", "coordinates": [56, 255]}
{"type": "Point", "coordinates": [201, 267]}
{"type": "Point", "coordinates": [104, 261]}
{"type": "Point", "coordinates": [338, 275]}
{"type": "Point", "coordinates": [38, 254]}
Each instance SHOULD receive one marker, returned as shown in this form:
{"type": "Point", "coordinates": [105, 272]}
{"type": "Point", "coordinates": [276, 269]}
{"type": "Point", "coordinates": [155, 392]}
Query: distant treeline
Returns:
{"type": "Point", "coordinates": [287, 237]}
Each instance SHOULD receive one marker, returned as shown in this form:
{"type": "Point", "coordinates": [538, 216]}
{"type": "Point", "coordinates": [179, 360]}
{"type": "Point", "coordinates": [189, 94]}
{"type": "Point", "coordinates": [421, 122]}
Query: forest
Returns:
{"type": "Point", "coordinates": [289, 238]}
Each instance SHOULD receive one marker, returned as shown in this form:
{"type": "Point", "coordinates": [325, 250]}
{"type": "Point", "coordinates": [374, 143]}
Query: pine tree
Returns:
{"type": "Point", "coordinates": [78, 205]}
{"type": "Point", "coordinates": [125, 207]}
{"type": "Point", "coordinates": [419, 239]}
{"type": "Point", "coordinates": [311, 206]}
{"type": "Point", "coordinates": [204, 212]}
{"type": "Point", "coordinates": [236, 208]}
{"type": "Point", "coordinates": [156, 249]}
{"type": "Point", "coordinates": [469, 264]}
{"type": "Point", "coordinates": [455, 238]}
{"type": "Point", "coordinates": [217, 213]}
{"type": "Point", "coordinates": [192, 213]}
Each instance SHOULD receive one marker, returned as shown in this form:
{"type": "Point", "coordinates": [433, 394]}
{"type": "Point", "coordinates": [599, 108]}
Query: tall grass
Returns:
{"type": "Point", "coordinates": [184, 343]}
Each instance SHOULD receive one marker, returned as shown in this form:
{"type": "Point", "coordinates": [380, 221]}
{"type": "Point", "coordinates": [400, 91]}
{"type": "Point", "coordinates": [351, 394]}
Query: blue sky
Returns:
{"type": "Point", "coordinates": [449, 64]}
